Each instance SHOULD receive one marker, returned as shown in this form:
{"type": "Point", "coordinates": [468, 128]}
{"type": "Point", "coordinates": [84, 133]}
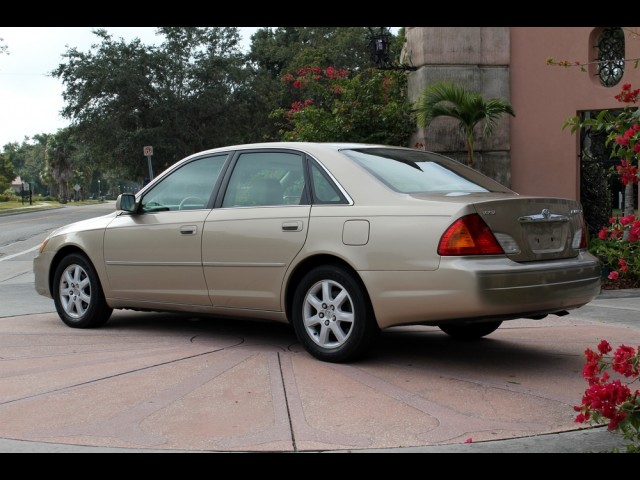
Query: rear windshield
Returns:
{"type": "Point", "coordinates": [416, 171]}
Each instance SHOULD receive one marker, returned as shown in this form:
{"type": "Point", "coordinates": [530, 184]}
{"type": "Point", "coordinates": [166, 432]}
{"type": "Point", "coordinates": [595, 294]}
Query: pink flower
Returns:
{"type": "Point", "coordinates": [622, 141]}
{"type": "Point", "coordinates": [602, 234]}
{"type": "Point", "coordinates": [627, 220]}
{"type": "Point", "coordinates": [604, 347]}
{"type": "Point", "coordinates": [614, 275]}
{"type": "Point", "coordinates": [623, 361]}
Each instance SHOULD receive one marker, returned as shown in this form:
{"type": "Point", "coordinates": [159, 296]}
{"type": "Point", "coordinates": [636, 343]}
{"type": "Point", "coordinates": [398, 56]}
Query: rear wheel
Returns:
{"type": "Point", "coordinates": [470, 331]}
{"type": "Point", "coordinates": [332, 315]}
{"type": "Point", "coordinates": [78, 295]}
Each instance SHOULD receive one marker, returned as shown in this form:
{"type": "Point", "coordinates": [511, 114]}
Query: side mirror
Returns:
{"type": "Point", "coordinates": [126, 202]}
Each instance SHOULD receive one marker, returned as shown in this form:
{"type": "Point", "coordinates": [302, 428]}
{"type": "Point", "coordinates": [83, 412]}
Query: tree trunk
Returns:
{"type": "Point", "coordinates": [629, 200]}
{"type": "Point", "coordinates": [629, 205]}
{"type": "Point", "coordinates": [470, 149]}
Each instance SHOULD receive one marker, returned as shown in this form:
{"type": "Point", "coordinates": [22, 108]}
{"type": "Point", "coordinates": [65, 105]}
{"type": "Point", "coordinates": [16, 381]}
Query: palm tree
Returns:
{"type": "Point", "coordinates": [445, 99]}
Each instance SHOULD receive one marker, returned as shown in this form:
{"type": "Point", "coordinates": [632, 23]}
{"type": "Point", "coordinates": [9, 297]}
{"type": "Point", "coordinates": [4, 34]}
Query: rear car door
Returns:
{"type": "Point", "coordinates": [249, 242]}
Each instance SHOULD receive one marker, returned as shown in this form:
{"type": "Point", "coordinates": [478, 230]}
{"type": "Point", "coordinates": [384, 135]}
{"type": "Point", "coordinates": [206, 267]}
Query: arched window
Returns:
{"type": "Point", "coordinates": [610, 56]}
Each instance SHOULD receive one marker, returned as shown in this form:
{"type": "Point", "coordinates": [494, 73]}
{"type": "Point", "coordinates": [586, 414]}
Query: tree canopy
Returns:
{"type": "Point", "coordinates": [180, 96]}
{"type": "Point", "coordinates": [7, 173]}
{"type": "Point", "coordinates": [195, 89]}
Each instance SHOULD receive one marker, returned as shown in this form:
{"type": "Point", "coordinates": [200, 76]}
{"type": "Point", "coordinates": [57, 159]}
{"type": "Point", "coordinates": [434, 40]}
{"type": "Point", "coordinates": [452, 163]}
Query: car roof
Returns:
{"type": "Point", "coordinates": [305, 146]}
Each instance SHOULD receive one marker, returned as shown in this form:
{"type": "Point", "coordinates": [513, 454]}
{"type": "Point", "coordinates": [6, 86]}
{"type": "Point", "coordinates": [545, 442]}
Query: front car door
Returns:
{"type": "Point", "coordinates": [155, 255]}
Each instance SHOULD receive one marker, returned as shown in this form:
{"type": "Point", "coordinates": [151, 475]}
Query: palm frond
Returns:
{"type": "Point", "coordinates": [446, 99]}
{"type": "Point", "coordinates": [440, 99]}
{"type": "Point", "coordinates": [494, 109]}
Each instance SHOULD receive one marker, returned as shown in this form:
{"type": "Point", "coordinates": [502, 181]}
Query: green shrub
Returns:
{"type": "Point", "coordinates": [9, 196]}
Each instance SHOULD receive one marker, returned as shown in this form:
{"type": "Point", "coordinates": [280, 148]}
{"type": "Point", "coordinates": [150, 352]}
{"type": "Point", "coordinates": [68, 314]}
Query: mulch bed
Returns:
{"type": "Point", "coordinates": [621, 283]}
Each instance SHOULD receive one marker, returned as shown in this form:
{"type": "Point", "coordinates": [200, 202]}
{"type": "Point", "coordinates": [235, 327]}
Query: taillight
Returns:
{"type": "Point", "coordinates": [584, 241]}
{"type": "Point", "coordinates": [580, 241]}
{"type": "Point", "coordinates": [469, 236]}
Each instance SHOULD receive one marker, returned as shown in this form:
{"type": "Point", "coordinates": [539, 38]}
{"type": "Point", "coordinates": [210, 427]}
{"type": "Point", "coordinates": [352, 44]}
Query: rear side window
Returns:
{"type": "Point", "coordinates": [324, 190]}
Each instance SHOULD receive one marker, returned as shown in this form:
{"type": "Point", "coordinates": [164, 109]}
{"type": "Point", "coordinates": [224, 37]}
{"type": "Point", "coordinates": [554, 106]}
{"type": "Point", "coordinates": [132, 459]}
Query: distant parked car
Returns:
{"type": "Point", "coordinates": [339, 240]}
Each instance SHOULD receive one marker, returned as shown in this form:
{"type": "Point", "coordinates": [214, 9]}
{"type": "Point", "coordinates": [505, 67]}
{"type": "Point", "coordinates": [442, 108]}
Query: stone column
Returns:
{"type": "Point", "coordinates": [478, 59]}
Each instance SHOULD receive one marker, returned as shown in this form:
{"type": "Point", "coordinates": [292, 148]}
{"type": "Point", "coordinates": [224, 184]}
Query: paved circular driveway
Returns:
{"type": "Point", "coordinates": [165, 382]}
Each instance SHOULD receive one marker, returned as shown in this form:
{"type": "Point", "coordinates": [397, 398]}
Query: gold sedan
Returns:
{"type": "Point", "coordinates": [338, 240]}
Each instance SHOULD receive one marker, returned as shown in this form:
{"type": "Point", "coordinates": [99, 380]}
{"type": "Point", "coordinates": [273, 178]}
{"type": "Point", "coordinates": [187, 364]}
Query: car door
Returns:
{"type": "Point", "coordinates": [249, 242]}
{"type": "Point", "coordinates": [155, 255]}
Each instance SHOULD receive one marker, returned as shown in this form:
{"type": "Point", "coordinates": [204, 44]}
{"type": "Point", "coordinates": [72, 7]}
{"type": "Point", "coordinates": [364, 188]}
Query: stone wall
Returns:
{"type": "Point", "coordinates": [477, 58]}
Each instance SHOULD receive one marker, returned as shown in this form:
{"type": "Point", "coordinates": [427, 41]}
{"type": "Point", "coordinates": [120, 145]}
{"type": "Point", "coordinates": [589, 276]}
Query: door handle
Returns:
{"type": "Point", "coordinates": [292, 226]}
{"type": "Point", "coordinates": [188, 230]}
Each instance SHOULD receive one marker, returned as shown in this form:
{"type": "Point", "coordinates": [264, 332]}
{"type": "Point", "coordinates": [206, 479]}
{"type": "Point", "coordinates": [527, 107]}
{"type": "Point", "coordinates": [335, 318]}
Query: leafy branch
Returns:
{"type": "Point", "coordinates": [583, 66]}
{"type": "Point", "coordinates": [633, 32]}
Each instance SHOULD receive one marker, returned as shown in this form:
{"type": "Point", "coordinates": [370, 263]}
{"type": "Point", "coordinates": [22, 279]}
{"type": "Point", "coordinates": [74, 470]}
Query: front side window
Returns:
{"type": "Point", "coordinates": [611, 53]}
{"type": "Point", "coordinates": [187, 188]}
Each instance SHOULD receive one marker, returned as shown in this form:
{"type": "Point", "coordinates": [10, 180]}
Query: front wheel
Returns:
{"type": "Point", "coordinates": [332, 315]}
{"type": "Point", "coordinates": [470, 331]}
{"type": "Point", "coordinates": [78, 295]}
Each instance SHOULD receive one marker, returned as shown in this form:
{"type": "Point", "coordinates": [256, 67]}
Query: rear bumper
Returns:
{"type": "Point", "coordinates": [565, 287]}
{"type": "Point", "coordinates": [466, 288]}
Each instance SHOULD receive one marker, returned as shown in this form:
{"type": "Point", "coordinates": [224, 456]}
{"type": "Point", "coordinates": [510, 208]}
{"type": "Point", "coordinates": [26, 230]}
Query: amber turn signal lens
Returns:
{"type": "Point", "coordinates": [469, 235]}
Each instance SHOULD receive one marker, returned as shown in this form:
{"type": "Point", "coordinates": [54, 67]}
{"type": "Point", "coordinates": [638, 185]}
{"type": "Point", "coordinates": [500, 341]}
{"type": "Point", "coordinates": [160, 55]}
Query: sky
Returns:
{"type": "Point", "coordinates": [30, 100]}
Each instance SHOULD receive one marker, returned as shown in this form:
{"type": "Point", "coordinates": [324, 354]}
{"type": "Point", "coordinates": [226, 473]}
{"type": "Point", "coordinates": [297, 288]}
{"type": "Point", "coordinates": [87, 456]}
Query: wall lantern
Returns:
{"type": "Point", "coordinates": [379, 43]}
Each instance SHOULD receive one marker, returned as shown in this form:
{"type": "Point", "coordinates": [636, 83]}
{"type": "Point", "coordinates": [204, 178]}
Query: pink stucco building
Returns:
{"type": "Point", "coordinates": [545, 96]}
{"type": "Point", "coordinates": [531, 152]}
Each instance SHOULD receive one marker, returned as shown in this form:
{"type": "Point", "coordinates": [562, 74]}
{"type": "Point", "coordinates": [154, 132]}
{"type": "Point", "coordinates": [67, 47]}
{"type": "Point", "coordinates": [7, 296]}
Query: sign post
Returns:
{"type": "Point", "coordinates": [148, 152]}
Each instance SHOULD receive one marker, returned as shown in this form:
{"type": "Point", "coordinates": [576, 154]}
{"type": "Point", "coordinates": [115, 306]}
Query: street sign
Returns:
{"type": "Point", "coordinates": [148, 152]}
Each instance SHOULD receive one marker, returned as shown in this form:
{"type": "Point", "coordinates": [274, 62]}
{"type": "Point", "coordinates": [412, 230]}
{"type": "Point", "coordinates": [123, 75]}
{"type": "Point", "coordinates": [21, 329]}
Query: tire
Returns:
{"type": "Point", "coordinates": [78, 295]}
{"type": "Point", "coordinates": [332, 316]}
{"type": "Point", "coordinates": [470, 331]}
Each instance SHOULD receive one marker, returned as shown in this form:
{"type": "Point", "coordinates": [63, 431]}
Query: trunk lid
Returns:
{"type": "Point", "coordinates": [534, 228]}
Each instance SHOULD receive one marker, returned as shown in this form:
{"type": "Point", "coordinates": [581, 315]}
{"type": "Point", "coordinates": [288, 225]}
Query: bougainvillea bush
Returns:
{"type": "Point", "coordinates": [333, 105]}
{"type": "Point", "coordinates": [617, 245]}
{"type": "Point", "coordinates": [618, 248]}
{"type": "Point", "coordinates": [612, 396]}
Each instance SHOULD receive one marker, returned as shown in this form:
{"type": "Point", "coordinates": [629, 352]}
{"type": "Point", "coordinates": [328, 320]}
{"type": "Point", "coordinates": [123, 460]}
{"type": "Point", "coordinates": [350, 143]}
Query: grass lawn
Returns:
{"type": "Point", "coordinates": [10, 205]}
{"type": "Point", "coordinates": [43, 203]}
{"type": "Point", "coordinates": [618, 213]}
